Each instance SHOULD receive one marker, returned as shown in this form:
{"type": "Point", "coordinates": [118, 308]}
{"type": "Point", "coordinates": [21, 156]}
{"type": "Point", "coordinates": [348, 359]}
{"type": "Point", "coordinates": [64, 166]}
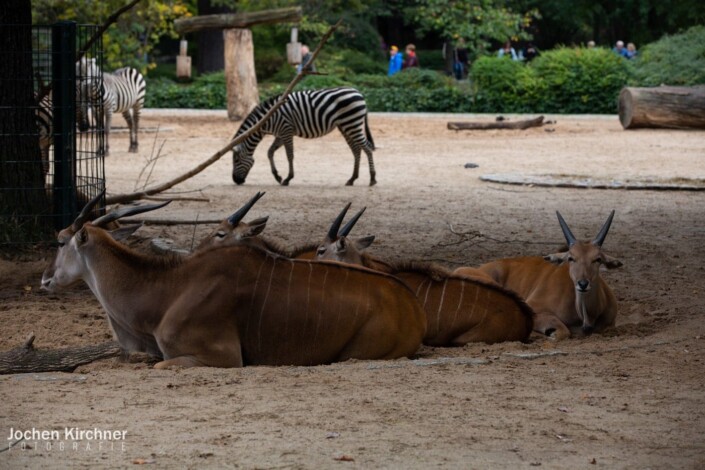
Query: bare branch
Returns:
{"type": "Point", "coordinates": [123, 198]}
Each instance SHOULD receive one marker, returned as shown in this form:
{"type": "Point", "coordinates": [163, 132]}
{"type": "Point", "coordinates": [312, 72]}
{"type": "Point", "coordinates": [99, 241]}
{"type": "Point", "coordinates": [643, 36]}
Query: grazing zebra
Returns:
{"type": "Point", "coordinates": [308, 114]}
{"type": "Point", "coordinates": [122, 91]}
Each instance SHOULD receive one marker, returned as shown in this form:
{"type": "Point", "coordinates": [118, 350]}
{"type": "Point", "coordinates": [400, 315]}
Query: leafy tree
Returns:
{"type": "Point", "coordinates": [478, 22]}
{"type": "Point", "coordinates": [131, 40]}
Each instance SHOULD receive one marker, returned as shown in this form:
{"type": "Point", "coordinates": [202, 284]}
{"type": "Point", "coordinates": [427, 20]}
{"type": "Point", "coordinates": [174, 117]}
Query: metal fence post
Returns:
{"type": "Point", "coordinates": [64, 120]}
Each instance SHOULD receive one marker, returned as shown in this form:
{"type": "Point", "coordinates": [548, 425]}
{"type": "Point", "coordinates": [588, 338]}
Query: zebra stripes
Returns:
{"type": "Point", "coordinates": [121, 92]}
{"type": "Point", "coordinates": [308, 114]}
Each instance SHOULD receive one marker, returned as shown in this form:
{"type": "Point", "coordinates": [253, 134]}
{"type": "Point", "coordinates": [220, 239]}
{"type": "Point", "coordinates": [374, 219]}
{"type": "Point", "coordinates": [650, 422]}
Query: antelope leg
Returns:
{"type": "Point", "coordinates": [550, 325]}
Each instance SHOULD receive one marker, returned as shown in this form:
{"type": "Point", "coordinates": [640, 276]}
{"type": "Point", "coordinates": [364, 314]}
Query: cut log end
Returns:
{"type": "Point", "coordinates": [662, 107]}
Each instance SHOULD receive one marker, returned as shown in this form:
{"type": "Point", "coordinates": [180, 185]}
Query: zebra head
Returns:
{"type": "Point", "coordinates": [242, 162]}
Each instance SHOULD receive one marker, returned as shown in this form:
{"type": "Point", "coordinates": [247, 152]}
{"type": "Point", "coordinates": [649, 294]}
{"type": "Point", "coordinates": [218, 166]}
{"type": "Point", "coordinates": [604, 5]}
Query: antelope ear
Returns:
{"type": "Point", "coordinates": [556, 258]}
{"type": "Point", "coordinates": [611, 263]}
{"type": "Point", "coordinates": [124, 232]}
{"type": "Point", "coordinates": [341, 244]}
{"type": "Point", "coordinates": [256, 227]}
{"type": "Point", "coordinates": [364, 242]}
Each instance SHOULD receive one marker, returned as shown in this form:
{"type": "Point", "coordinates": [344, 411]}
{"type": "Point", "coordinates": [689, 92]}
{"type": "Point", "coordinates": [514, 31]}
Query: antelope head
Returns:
{"type": "Point", "coordinates": [233, 230]}
{"type": "Point", "coordinates": [69, 265]}
{"type": "Point", "coordinates": [584, 260]}
{"type": "Point", "coordinates": [338, 247]}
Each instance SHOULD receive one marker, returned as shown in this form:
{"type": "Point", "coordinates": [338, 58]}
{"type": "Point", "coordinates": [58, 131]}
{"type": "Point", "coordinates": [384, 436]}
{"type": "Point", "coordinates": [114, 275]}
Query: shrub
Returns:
{"type": "Point", "coordinates": [206, 92]}
{"type": "Point", "coordinates": [559, 81]}
{"type": "Point", "coordinates": [580, 80]}
{"type": "Point", "coordinates": [672, 60]}
{"type": "Point", "coordinates": [503, 85]}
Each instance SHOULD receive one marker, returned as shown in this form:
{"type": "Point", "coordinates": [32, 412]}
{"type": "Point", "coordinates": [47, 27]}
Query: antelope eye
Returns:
{"type": "Point", "coordinates": [321, 251]}
{"type": "Point", "coordinates": [571, 259]}
{"type": "Point", "coordinates": [220, 234]}
{"type": "Point", "coordinates": [598, 260]}
{"type": "Point", "coordinates": [61, 244]}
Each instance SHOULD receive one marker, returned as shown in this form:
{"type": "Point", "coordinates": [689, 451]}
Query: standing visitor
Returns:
{"type": "Point", "coordinates": [395, 60]}
{"type": "Point", "coordinates": [305, 58]}
{"type": "Point", "coordinates": [631, 51]}
{"type": "Point", "coordinates": [508, 51]}
{"type": "Point", "coordinates": [619, 49]}
{"type": "Point", "coordinates": [410, 60]}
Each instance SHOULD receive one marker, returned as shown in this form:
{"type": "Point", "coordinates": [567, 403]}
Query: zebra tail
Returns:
{"type": "Point", "coordinates": [368, 134]}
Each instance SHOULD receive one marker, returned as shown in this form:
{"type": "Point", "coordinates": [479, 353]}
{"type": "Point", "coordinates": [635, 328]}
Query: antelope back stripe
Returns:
{"type": "Point", "coordinates": [462, 308]}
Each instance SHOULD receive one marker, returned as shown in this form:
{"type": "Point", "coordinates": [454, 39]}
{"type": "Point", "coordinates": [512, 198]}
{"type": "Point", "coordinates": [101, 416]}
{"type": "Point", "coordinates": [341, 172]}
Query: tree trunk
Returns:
{"type": "Point", "coordinates": [22, 194]}
{"type": "Point", "coordinates": [665, 106]}
{"type": "Point", "coordinates": [26, 359]}
{"type": "Point", "coordinates": [209, 55]}
{"type": "Point", "coordinates": [240, 76]}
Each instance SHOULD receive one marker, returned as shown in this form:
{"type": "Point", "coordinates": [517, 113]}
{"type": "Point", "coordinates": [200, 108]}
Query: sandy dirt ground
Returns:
{"type": "Point", "coordinates": [633, 397]}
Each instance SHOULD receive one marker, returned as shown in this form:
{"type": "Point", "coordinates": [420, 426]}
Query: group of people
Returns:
{"type": "Point", "coordinates": [527, 54]}
{"type": "Point", "coordinates": [628, 52]}
{"type": "Point", "coordinates": [399, 61]}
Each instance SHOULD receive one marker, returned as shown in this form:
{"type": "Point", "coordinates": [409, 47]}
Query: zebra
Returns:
{"type": "Point", "coordinates": [43, 116]}
{"type": "Point", "coordinates": [308, 114]}
{"type": "Point", "coordinates": [122, 91]}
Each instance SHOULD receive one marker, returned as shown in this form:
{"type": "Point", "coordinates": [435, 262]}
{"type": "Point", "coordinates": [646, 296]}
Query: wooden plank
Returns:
{"type": "Point", "coordinates": [237, 20]}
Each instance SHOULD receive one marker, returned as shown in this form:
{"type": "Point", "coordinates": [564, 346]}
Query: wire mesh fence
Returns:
{"type": "Point", "coordinates": [65, 165]}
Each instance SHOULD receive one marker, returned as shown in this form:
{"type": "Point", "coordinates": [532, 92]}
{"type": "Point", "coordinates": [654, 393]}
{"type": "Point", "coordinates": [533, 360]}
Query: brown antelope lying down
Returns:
{"type": "Point", "coordinates": [238, 305]}
{"type": "Point", "coordinates": [564, 289]}
{"type": "Point", "coordinates": [459, 310]}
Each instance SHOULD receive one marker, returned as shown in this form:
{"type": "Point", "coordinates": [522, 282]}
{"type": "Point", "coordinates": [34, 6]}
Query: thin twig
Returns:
{"type": "Point", "coordinates": [147, 161]}
{"type": "Point", "coordinates": [168, 198]}
{"type": "Point", "coordinates": [123, 198]}
{"type": "Point", "coordinates": [193, 235]}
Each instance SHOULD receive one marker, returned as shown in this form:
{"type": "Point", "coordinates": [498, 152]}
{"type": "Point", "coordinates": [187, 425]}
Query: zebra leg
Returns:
{"type": "Point", "coordinates": [356, 168]}
{"type": "Point", "coordinates": [108, 121]}
{"type": "Point", "coordinates": [371, 163]}
{"type": "Point", "coordinates": [132, 125]}
{"type": "Point", "coordinates": [289, 146]}
{"type": "Point", "coordinates": [270, 153]}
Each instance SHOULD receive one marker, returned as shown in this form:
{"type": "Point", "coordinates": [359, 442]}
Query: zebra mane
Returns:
{"type": "Point", "coordinates": [257, 113]}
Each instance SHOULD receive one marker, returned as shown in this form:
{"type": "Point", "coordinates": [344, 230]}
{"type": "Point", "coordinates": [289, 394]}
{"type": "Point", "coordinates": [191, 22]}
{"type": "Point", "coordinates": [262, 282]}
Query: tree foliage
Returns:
{"type": "Point", "coordinates": [478, 22]}
{"type": "Point", "coordinates": [131, 41]}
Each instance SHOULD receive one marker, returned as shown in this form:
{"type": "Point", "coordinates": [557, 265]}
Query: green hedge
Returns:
{"type": "Point", "coordinates": [673, 60]}
{"type": "Point", "coordinates": [564, 80]}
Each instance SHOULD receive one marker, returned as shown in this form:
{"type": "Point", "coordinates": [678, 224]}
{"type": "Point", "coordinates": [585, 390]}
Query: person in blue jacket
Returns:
{"type": "Point", "coordinates": [395, 60]}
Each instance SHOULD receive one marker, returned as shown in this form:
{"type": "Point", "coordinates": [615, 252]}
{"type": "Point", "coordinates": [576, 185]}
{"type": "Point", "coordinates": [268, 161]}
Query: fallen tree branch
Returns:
{"type": "Point", "coordinates": [123, 198]}
{"type": "Point", "coordinates": [464, 126]}
{"type": "Point", "coordinates": [26, 358]}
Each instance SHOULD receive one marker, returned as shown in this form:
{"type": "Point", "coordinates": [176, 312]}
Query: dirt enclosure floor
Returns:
{"type": "Point", "coordinates": [633, 397]}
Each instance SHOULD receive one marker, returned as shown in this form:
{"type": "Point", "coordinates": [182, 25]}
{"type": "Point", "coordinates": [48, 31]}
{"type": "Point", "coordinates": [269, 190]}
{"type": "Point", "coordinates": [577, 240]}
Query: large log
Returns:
{"type": "Point", "coordinates": [240, 76]}
{"type": "Point", "coordinates": [25, 358]}
{"type": "Point", "coordinates": [665, 106]}
{"type": "Point", "coordinates": [237, 20]}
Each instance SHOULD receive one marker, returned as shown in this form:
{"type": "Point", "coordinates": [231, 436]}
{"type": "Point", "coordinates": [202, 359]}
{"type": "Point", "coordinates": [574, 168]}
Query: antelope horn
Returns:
{"type": "Point", "coordinates": [600, 238]}
{"type": "Point", "coordinates": [351, 223]}
{"type": "Point", "coordinates": [87, 209]}
{"type": "Point", "coordinates": [125, 211]}
{"type": "Point", "coordinates": [569, 237]}
{"type": "Point", "coordinates": [235, 219]}
{"type": "Point", "coordinates": [333, 231]}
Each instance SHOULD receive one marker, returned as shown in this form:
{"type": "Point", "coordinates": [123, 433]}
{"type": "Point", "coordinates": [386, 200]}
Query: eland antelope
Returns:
{"type": "Point", "coordinates": [565, 289]}
{"type": "Point", "coordinates": [236, 305]}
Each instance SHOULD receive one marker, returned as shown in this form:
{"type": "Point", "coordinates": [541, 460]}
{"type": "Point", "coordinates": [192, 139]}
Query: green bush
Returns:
{"type": "Point", "coordinates": [564, 80]}
{"type": "Point", "coordinates": [672, 60]}
{"type": "Point", "coordinates": [206, 92]}
{"type": "Point", "coordinates": [580, 80]}
{"type": "Point", "coordinates": [504, 86]}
